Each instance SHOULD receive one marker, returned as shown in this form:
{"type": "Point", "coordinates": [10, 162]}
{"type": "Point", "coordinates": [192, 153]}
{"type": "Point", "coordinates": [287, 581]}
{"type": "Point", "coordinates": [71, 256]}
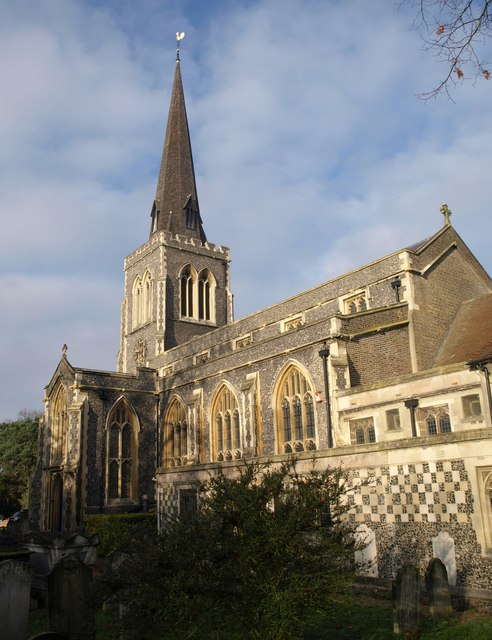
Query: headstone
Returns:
{"type": "Point", "coordinates": [406, 602]}
{"type": "Point", "coordinates": [436, 579]}
{"type": "Point", "coordinates": [443, 548]}
{"type": "Point", "coordinates": [69, 599]}
{"type": "Point", "coordinates": [15, 588]}
{"type": "Point", "coordinates": [366, 557]}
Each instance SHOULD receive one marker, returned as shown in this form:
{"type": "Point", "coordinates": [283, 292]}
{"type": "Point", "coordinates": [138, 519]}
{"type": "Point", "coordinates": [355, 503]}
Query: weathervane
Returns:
{"type": "Point", "coordinates": [179, 36]}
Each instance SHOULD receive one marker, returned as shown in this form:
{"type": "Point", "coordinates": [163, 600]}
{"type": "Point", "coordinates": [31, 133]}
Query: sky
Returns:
{"type": "Point", "coordinates": [314, 154]}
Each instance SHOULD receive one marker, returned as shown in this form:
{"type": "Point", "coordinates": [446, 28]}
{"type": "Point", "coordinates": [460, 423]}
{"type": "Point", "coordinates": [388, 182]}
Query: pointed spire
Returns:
{"type": "Point", "coordinates": [176, 202]}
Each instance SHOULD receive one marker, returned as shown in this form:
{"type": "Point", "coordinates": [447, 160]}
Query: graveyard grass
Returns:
{"type": "Point", "coordinates": [350, 622]}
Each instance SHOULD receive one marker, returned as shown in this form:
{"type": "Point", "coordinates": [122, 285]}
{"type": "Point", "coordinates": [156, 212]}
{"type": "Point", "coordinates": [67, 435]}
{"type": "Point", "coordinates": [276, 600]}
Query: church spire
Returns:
{"type": "Point", "coordinates": [176, 202]}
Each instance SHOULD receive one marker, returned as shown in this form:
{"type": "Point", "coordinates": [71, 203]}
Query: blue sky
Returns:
{"type": "Point", "coordinates": [313, 155]}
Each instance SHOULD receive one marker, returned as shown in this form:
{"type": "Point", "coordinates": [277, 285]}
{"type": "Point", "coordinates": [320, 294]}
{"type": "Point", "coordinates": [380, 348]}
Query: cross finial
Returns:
{"type": "Point", "coordinates": [446, 212]}
{"type": "Point", "coordinates": [179, 36]}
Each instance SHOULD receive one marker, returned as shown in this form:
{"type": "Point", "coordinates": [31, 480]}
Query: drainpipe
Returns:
{"type": "Point", "coordinates": [411, 405]}
{"type": "Point", "coordinates": [323, 354]}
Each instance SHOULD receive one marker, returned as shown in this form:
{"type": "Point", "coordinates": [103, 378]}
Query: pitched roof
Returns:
{"type": "Point", "coordinates": [470, 336]}
{"type": "Point", "coordinates": [176, 202]}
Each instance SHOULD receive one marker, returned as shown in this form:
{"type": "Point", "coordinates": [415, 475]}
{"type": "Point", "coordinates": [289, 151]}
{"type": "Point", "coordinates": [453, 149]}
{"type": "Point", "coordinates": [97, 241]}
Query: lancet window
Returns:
{"type": "Point", "coordinates": [142, 294]}
{"type": "Point", "coordinates": [226, 424]}
{"type": "Point", "coordinates": [175, 435]}
{"type": "Point", "coordinates": [121, 446]}
{"type": "Point", "coordinates": [296, 423]}
{"type": "Point", "coordinates": [59, 427]}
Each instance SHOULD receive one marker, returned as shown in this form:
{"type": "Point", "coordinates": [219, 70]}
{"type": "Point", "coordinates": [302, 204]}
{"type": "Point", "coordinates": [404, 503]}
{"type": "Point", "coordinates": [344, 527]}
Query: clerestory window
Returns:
{"type": "Point", "coordinates": [175, 435]}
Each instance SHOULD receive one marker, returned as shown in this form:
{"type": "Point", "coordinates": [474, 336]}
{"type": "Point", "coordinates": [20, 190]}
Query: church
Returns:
{"type": "Point", "coordinates": [384, 370]}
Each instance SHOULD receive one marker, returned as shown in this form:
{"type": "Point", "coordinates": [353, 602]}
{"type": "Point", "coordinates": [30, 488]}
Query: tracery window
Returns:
{"type": "Point", "coordinates": [175, 435]}
{"type": "Point", "coordinates": [226, 423]}
{"type": "Point", "coordinates": [59, 427]}
{"type": "Point", "coordinates": [122, 458]}
{"type": "Point", "coordinates": [356, 303]}
{"type": "Point", "coordinates": [296, 427]}
{"type": "Point", "coordinates": [434, 420]}
{"type": "Point", "coordinates": [142, 293]}
{"type": "Point", "coordinates": [362, 431]}
{"type": "Point", "coordinates": [197, 293]}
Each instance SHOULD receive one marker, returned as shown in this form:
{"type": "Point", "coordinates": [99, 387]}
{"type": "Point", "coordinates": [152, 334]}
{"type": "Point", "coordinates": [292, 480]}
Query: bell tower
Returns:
{"type": "Point", "coordinates": [177, 285]}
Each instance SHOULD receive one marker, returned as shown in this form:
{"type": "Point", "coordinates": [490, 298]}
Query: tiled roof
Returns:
{"type": "Point", "coordinates": [470, 336]}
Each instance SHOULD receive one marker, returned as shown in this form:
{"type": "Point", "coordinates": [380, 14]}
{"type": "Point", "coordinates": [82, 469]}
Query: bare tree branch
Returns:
{"type": "Point", "coordinates": [455, 30]}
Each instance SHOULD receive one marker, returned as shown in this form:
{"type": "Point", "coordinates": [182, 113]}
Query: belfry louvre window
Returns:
{"type": "Point", "coordinates": [175, 435]}
{"type": "Point", "coordinates": [188, 283]}
{"type": "Point", "coordinates": [197, 293]}
{"type": "Point", "coordinates": [296, 425]}
{"type": "Point", "coordinates": [434, 420]}
{"type": "Point", "coordinates": [227, 425]}
{"type": "Point", "coordinates": [59, 424]}
{"type": "Point", "coordinates": [362, 431]}
{"type": "Point", "coordinates": [121, 483]}
{"type": "Point", "coordinates": [142, 293]}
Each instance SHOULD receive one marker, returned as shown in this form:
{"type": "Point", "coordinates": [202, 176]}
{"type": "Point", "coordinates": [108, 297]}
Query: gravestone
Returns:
{"type": "Point", "coordinates": [406, 602]}
{"type": "Point", "coordinates": [436, 579]}
{"type": "Point", "coordinates": [69, 599]}
{"type": "Point", "coordinates": [15, 588]}
{"type": "Point", "coordinates": [443, 548]}
{"type": "Point", "coordinates": [366, 557]}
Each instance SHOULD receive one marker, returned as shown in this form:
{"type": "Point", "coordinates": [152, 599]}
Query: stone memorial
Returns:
{"type": "Point", "coordinates": [436, 579]}
{"type": "Point", "coordinates": [69, 599]}
{"type": "Point", "coordinates": [443, 548]}
{"type": "Point", "coordinates": [406, 602]}
{"type": "Point", "coordinates": [15, 588]}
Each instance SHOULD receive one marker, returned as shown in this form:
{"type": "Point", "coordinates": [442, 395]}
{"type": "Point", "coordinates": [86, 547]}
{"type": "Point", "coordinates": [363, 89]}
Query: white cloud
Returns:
{"type": "Point", "coordinates": [313, 155]}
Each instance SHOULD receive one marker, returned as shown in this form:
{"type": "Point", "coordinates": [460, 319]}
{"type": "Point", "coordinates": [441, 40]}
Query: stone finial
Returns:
{"type": "Point", "coordinates": [446, 212]}
{"type": "Point", "coordinates": [64, 350]}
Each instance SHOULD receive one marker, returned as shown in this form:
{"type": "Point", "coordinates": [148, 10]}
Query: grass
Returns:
{"type": "Point", "coordinates": [353, 622]}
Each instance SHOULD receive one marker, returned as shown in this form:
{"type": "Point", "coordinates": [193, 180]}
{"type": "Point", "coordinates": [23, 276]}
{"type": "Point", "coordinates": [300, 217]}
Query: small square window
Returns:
{"type": "Point", "coordinates": [393, 420]}
{"type": "Point", "coordinates": [471, 406]}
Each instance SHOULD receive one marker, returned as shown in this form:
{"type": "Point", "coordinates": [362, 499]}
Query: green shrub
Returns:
{"type": "Point", "coordinates": [117, 531]}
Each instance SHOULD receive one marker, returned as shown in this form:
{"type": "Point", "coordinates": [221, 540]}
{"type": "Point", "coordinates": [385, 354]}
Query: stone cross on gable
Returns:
{"type": "Point", "coordinates": [446, 212]}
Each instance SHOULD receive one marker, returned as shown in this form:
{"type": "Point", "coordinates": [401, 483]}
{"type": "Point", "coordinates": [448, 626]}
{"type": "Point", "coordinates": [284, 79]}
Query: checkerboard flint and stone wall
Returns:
{"type": "Point", "coordinates": [406, 506]}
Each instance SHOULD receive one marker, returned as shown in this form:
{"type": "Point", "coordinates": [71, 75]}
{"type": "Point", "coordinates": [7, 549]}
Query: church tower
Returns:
{"type": "Point", "coordinates": [177, 284]}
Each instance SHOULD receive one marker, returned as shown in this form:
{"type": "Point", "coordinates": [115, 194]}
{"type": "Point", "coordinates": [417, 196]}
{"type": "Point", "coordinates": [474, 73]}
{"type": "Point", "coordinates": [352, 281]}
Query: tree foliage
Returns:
{"type": "Point", "coordinates": [18, 453]}
{"type": "Point", "coordinates": [266, 555]}
{"type": "Point", "coordinates": [455, 31]}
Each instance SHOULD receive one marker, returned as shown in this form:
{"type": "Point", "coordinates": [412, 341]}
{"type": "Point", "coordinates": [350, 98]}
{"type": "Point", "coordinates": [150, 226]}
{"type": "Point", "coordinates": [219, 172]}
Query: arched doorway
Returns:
{"type": "Point", "coordinates": [56, 503]}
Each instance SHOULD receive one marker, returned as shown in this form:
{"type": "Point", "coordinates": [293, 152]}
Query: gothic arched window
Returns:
{"type": "Point", "coordinates": [137, 302]}
{"type": "Point", "coordinates": [187, 291]}
{"type": "Point", "coordinates": [122, 452]}
{"type": "Point", "coordinates": [59, 426]}
{"type": "Point", "coordinates": [296, 426]}
{"type": "Point", "coordinates": [175, 435]}
{"type": "Point", "coordinates": [226, 420]}
{"type": "Point", "coordinates": [147, 292]}
{"type": "Point", "coordinates": [206, 296]}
